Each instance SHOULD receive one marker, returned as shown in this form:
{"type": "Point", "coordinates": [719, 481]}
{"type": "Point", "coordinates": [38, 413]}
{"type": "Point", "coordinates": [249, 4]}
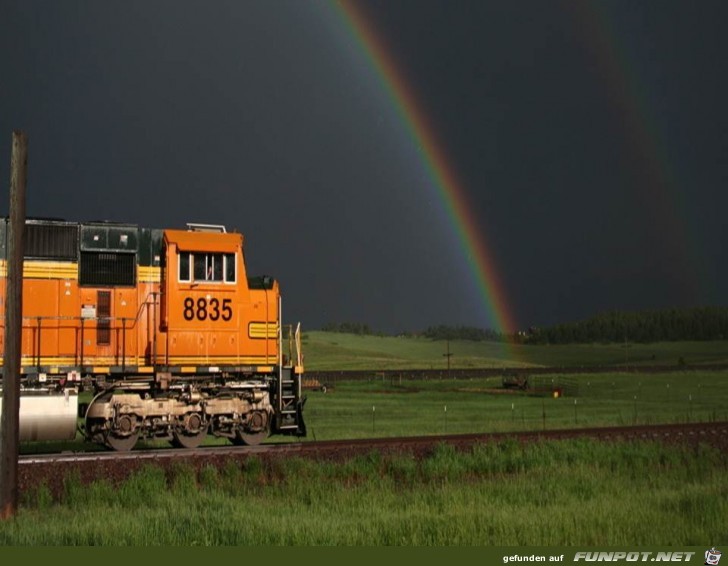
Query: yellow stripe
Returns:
{"type": "Point", "coordinates": [149, 274]}
{"type": "Point", "coordinates": [263, 330]}
{"type": "Point", "coordinates": [216, 360]}
{"type": "Point", "coordinates": [46, 361]}
{"type": "Point", "coordinates": [33, 269]}
{"type": "Point", "coordinates": [189, 364]}
{"type": "Point", "coordinates": [31, 361]}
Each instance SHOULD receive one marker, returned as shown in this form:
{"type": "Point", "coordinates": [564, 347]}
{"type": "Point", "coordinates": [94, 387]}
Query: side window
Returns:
{"type": "Point", "coordinates": [213, 268]}
{"type": "Point", "coordinates": [184, 266]}
{"type": "Point", "coordinates": [230, 268]}
{"type": "Point", "coordinates": [200, 267]}
{"type": "Point", "coordinates": [216, 268]}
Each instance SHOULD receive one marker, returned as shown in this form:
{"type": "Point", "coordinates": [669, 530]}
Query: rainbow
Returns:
{"type": "Point", "coordinates": [434, 159]}
{"type": "Point", "coordinates": [658, 185]}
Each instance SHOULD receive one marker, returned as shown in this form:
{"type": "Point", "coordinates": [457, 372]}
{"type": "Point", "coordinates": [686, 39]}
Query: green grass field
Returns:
{"type": "Point", "coordinates": [392, 407]}
{"type": "Point", "coordinates": [337, 351]}
{"type": "Point", "coordinates": [555, 493]}
{"type": "Point", "coordinates": [566, 493]}
{"type": "Point", "coordinates": [386, 406]}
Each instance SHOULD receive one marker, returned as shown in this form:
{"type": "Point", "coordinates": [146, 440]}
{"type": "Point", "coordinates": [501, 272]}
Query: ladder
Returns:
{"type": "Point", "coordinates": [289, 401]}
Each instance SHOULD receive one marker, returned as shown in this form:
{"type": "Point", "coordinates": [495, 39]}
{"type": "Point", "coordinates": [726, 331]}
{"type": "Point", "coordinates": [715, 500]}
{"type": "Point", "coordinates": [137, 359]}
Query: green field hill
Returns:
{"type": "Point", "coordinates": [342, 351]}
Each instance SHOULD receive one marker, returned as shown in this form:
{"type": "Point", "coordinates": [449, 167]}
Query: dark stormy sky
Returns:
{"type": "Point", "coordinates": [590, 138]}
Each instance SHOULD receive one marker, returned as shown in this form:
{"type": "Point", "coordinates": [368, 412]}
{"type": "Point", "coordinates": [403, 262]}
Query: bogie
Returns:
{"type": "Point", "coordinates": [184, 417]}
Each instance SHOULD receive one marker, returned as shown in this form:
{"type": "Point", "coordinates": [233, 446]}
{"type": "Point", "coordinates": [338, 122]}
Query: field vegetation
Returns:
{"type": "Point", "coordinates": [551, 493]}
{"type": "Point", "coordinates": [383, 407]}
{"type": "Point", "coordinates": [342, 351]}
{"type": "Point", "coordinates": [566, 493]}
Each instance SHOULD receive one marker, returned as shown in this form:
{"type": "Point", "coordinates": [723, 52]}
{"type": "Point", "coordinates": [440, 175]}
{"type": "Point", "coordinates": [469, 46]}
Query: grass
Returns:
{"type": "Point", "coordinates": [566, 493]}
{"type": "Point", "coordinates": [338, 351]}
{"type": "Point", "coordinates": [570, 493]}
{"type": "Point", "coordinates": [393, 407]}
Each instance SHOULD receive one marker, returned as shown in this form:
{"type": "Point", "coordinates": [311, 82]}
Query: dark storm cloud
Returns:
{"type": "Point", "coordinates": [267, 118]}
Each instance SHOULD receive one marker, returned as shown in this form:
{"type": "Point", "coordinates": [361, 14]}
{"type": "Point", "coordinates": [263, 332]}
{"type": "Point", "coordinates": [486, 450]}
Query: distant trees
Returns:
{"type": "Point", "coordinates": [443, 332]}
{"type": "Point", "coordinates": [440, 332]}
{"type": "Point", "coordinates": [348, 328]}
{"type": "Point", "coordinates": [700, 323]}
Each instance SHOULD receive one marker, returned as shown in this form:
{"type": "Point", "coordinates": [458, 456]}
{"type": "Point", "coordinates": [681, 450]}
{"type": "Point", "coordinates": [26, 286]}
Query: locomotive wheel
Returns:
{"type": "Point", "coordinates": [190, 432]}
{"type": "Point", "coordinates": [259, 422]}
{"type": "Point", "coordinates": [250, 438]}
{"type": "Point", "coordinates": [122, 443]}
{"type": "Point", "coordinates": [186, 440]}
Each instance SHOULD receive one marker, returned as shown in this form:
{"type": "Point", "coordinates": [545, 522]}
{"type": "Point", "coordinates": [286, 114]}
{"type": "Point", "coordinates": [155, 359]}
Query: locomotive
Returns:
{"type": "Point", "coordinates": [166, 328]}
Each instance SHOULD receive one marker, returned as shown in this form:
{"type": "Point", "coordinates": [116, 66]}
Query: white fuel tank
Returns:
{"type": "Point", "coordinates": [47, 415]}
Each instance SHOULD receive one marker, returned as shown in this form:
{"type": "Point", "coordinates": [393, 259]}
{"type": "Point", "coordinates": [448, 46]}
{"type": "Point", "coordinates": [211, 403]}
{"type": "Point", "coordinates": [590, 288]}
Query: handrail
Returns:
{"type": "Point", "coordinates": [38, 327]}
{"type": "Point", "coordinates": [280, 357]}
{"type": "Point", "coordinates": [298, 345]}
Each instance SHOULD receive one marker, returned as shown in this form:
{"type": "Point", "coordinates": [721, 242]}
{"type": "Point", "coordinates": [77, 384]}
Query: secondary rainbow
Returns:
{"type": "Point", "coordinates": [658, 192]}
{"type": "Point", "coordinates": [434, 160]}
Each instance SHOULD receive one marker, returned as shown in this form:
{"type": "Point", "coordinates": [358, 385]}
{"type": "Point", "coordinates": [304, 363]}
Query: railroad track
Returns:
{"type": "Point", "coordinates": [51, 469]}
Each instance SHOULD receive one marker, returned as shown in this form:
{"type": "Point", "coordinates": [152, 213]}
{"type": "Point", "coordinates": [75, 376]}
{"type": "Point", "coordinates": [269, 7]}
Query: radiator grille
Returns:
{"type": "Point", "coordinates": [51, 241]}
{"type": "Point", "coordinates": [102, 269]}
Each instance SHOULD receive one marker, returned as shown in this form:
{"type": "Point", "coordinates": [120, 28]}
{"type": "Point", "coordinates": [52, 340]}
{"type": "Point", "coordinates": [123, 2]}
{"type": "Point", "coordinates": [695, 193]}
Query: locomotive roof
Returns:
{"type": "Point", "coordinates": [58, 239]}
{"type": "Point", "coordinates": [189, 241]}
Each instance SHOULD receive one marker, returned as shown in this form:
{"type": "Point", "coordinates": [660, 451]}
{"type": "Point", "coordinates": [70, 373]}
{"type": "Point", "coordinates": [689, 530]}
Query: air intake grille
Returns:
{"type": "Point", "coordinates": [51, 241]}
{"type": "Point", "coordinates": [102, 269]}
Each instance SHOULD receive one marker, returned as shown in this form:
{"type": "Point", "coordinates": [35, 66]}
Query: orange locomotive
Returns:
{"type": "Point", "coordinates": [166, 326]}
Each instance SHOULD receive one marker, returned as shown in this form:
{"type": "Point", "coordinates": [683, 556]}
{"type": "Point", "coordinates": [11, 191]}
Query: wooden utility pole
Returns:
{"type": "Point", "coordinates": [10, 422]}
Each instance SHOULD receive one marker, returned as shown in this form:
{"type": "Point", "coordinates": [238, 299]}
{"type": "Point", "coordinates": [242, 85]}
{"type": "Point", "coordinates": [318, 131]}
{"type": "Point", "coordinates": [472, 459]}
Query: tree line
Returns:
{"type": "Point", "coordinates": [439, 332]}
{"type": "Point", "coordinates": [349, 328]}
{"type": "Point", "coordinates": [666, 325]}
{"type": "Point", "coordinates": [700, 323]}
{"type": "Point", "coordinates": [444, 332]}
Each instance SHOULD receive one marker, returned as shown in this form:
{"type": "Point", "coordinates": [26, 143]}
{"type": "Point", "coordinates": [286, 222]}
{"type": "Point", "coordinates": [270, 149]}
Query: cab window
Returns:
{"type": "Point", "coordinates": [207, 267]}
